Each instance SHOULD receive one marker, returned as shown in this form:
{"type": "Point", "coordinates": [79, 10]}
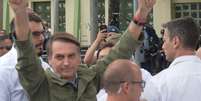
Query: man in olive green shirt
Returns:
{"type": "Point", "coordinates": [68, 79]}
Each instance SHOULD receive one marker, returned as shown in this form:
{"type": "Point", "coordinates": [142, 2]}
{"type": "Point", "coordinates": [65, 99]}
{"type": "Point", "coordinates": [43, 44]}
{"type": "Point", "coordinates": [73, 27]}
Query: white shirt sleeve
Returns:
{"type": "Point", "coordinates": [4, 86]}
{"type": "Point", "coordinates": [102, 95]}
{"type": "Point", "coordinates": [10, 87]}
{"type": "Point", "coordinates": [151, 92]}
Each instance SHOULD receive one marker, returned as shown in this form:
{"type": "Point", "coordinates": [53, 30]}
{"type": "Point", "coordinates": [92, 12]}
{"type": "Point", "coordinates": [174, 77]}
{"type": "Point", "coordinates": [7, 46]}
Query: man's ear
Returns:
{"type": "Point", "coordinates": [176, 42]}
{"type": "Point", "coordinates": [125, 88]}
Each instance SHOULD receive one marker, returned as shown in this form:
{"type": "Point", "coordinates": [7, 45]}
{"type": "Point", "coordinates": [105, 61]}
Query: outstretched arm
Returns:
{"type": "Point", "coordinates": [144, 8]}
{"type": "Point", "coordinates": [21, 18]}
{"type": "Point", "coordinates": [89, 56]}
{"type": "Point", "coordinates": [31, 74]}
{"type": "Point", "coordinates": [129, 40]}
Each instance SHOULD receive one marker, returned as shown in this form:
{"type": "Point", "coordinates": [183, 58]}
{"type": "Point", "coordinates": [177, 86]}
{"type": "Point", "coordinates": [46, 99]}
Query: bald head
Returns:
{"type": "Point", "coordinates": [118, 71]}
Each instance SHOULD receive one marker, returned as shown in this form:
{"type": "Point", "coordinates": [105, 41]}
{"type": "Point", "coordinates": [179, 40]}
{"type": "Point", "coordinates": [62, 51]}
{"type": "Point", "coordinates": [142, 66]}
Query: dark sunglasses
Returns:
{"type": "Point", "coordinates": [37, 33]}
{"type": "Point", "coordinates": [6, 47]}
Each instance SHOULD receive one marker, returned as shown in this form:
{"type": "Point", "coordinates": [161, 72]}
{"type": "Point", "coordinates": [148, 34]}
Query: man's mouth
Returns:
{"type": "Point", "coordinates": [39, 45]}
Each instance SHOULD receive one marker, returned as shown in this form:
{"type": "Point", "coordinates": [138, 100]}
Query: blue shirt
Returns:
{"type": "Point", "coordinates": [10, 88]}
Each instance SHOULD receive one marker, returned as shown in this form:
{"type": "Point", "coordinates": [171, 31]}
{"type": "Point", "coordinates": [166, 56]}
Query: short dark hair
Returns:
{"type": "Point", "coordinates": [186, 29]}
{"type": "Point", "coordinates": [32, 17]}
{"type": "Point", "coordinates": [64, 37]}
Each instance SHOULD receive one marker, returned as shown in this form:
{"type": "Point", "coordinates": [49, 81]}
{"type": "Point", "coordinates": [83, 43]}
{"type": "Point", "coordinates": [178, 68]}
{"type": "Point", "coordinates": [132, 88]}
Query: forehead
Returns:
{"type": "Point", "coordinates": [166, 33]}
{"type": "Point", "coordinates": [64, 47]}
{"type": "Point", "coordinates": [35, 26]}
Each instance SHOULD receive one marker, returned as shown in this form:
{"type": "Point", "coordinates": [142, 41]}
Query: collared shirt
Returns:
{"type": "Point", "coordinates": [73, 82]}
{"type": "Point", "coordinates": [10, 88]}
{"type": "Point", "coordinates": [180, 82]}
{"type": "Point", "coordinates": [10, 58]}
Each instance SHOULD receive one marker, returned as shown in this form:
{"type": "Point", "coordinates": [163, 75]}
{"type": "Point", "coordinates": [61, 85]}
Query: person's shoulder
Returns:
{"type": "Point", "coordinates": [84, 68]}
{"type": "Point", "coordinates": [145, 74]}
{"type": "Point", "coordinates": [7, 71]}
{"type": "Point", "coordinates": [6, 68]}
{"type": "Point", "coordinates": [85, 71]}
{"type": "Point", "coordinates": [160, 77]}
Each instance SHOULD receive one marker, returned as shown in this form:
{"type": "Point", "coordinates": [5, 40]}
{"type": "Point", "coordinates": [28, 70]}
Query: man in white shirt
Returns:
{"type": "Point", "coordinates": [11, 89]}
{"type": "Point", "coordinates": [182, 80]}
{"type": "Point", "coordinates": [123, 84]}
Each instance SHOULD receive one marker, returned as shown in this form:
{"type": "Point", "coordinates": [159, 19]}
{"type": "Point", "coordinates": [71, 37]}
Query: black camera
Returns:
{"type": "Point", "coordinates": [103, 27]}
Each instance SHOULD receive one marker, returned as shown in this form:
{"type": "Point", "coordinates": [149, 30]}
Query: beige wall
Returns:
{"type": "Point", "coordinates": [1, 14]}
{"type": "Point", "coordinates": [86, 20]}
{"type": "Point", "coordinates": [161, 13]}
{"type": "Point", "coordinates": [86, 25]}
{"type": "Point", "coordinates": [70, 15]}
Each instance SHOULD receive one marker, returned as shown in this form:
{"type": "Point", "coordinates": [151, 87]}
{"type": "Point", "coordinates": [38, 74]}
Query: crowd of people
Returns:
{"type": "Point", "coordinates": [111, 69]}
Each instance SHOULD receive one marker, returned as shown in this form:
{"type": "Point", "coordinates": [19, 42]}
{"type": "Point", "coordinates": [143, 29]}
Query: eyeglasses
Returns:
{"type": "Point", "coordinates": [142, 82]}
{"type": "Point", "coordinates": [5, 47]}
{"type": "Point", "coordinates": [37, 33]}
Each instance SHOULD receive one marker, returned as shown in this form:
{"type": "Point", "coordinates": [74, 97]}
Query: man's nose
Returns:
{"type": "Point", "coordinates": [41, 38]}
{"type": "Point", "coordinates": [66, 61]}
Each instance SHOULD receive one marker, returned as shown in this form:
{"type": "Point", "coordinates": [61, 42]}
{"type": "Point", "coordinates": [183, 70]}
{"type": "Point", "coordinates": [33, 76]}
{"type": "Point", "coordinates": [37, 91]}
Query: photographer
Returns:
{"type": "Point", "coordinates": [106, 33]}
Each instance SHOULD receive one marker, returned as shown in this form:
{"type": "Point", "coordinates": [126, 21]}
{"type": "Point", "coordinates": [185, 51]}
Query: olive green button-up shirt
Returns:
{"type": "Point", "coordinates": [47, 86]}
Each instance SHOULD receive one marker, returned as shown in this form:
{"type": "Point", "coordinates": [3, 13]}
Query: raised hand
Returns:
{"type": "Point", "coordinates": [21, 18]}
{"type": "Point", "coordinates": [18, 5]}
{"type": "Point", "coordinates": [101, 35]}
{"type": "Point", "coordinates": [144, 8]}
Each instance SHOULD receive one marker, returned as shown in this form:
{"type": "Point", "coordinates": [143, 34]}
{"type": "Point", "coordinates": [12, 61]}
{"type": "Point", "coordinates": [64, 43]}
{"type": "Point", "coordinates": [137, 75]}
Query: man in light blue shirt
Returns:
{"type": "Point", "coordinates": [11, 90]}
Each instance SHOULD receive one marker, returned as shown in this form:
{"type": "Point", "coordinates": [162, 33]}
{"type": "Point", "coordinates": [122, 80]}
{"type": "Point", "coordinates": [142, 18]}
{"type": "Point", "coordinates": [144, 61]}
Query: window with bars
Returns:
{"type": "Point", "coordinates": [188, 9]}
{"type": "Point", "coordinates": [121, 12]}
{"type": "Point", "coordinates": [100, 4]}
{"type": "Point", "coordinates": [43, 9]}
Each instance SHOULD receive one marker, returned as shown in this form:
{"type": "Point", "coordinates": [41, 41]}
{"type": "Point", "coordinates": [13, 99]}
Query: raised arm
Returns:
{"type": "Point", "coordinates": [21, 18]}
{"type": "Point", "coordinates": [90, 54]}
{"type": "Point", "coordinates": [144, 8]}
{"type": "Point", "coordinates": [31, 74]}
{"type": "Point", "coordinates": [129, 40]}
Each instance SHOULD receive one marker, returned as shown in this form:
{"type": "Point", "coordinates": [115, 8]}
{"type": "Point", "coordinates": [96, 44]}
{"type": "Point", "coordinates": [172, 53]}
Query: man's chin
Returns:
{"type": "Point", "coordinates": [68, 76]}
{"type": "Point", "coordinates": [39, 53]}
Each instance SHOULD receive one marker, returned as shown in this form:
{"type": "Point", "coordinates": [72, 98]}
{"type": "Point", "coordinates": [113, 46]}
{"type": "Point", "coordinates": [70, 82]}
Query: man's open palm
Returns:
{"type": "Point", "coordinates": [18, 5]}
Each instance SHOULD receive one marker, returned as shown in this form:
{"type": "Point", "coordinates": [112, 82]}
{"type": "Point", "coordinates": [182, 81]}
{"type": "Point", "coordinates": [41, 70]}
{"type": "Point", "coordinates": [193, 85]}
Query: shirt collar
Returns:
{"type": "Point", "coordinates": [60, 81]}
{"type": "Point", "coordinates": [184, 58]}
{"type": "Point", "coordinates": [73, 82]}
